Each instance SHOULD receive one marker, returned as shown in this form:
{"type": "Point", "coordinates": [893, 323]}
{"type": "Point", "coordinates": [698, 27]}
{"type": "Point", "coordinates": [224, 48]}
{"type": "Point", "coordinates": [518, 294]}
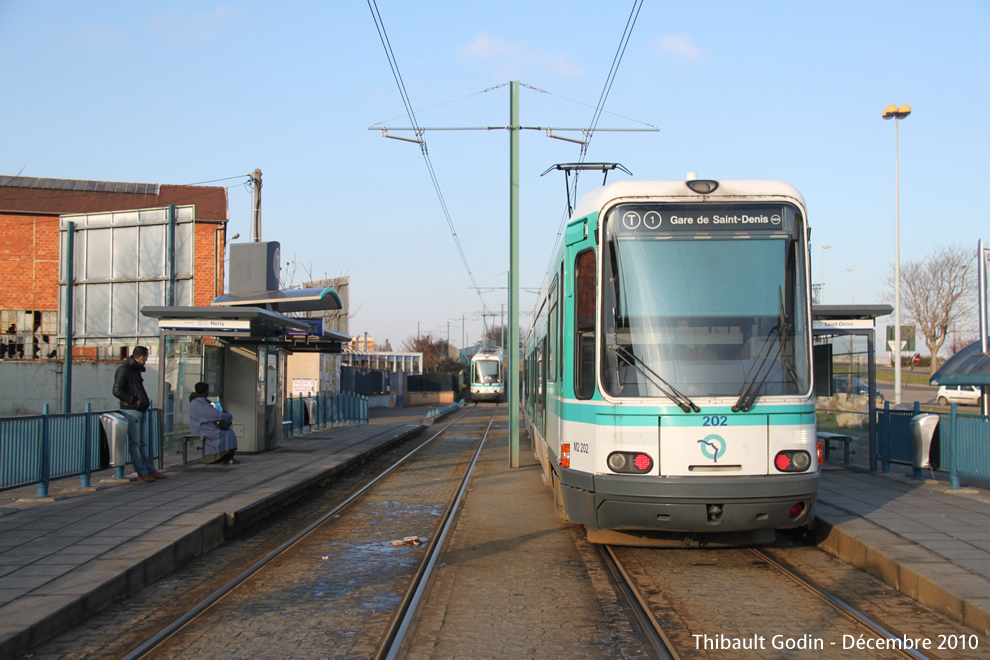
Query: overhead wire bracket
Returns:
{"type": "Point", "coordinates": [404, 139]}
{"type": "Point", "coordinates": [583, 143]}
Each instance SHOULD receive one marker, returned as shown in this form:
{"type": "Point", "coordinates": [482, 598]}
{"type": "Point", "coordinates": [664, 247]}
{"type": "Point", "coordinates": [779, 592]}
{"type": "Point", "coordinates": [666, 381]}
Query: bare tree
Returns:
{"type": "Point", "coordinates": [495, 334]}
{"type": "Point", "coordinates": [934, 294]}
{"type": "Point", "coordinates": [432, 347]}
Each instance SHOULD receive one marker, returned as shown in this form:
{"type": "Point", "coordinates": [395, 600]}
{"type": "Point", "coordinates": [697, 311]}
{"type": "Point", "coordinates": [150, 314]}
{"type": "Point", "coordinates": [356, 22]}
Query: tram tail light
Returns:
{"type": "Point", "coordinates": [627, 462]}
{"type": "Point", "coordinates": [796, 510]}
{"type": "Point", "coordinates": [821, 453]}
{"type": "Point", "coordinates": [792, 461]}
{"type": "Point", "coordinates": [565, 454]}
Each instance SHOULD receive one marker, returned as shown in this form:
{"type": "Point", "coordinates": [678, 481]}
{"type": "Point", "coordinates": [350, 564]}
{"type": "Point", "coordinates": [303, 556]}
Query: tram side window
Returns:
{"type": "Point", "coordinates": [584, 324]}
{"type": "Point", "coordinates": [552, 345]}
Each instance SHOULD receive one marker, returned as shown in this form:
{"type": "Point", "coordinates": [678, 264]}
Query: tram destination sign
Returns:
{"type": "Point", "coordinates": [700, 218]}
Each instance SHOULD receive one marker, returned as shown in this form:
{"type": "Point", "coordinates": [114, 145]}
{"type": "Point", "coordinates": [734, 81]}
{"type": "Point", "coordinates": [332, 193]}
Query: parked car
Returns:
{"type": "Point", "coordinates": [842, 384]}
{"type": "Point", "coordinates": [967, 394]}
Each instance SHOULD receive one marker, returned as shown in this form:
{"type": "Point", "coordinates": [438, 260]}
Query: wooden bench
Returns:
{"type": "Point", "coordinates": [827, 440]}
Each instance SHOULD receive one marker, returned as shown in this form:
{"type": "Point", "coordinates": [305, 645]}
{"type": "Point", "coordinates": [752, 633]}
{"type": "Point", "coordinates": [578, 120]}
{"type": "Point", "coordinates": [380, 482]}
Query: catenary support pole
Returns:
{"type": "Point", "coordinates": [70, 241]}
{"type": "Point", "coordinates": [513, 366]}
{"type": "Point", "coordinates": [982, 256]}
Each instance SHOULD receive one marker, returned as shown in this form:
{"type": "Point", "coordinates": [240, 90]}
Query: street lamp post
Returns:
{"type": "Point", "coordinates": [821, 292]}
{"type": "Point", "coordinates": [897, 113]}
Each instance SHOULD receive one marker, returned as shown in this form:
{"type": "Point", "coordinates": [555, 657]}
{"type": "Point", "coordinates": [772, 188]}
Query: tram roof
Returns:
{"type": "Point", "coordinates": [728, 189]}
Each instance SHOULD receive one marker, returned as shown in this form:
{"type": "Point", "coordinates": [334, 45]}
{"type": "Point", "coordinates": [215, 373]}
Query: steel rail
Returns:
{"type": "Point", "coordinates": [836, 602]}
{"type": "Point", "coordinates": [170, 630]}
{"type": "Point", "coordinates": [395, 636]}
{"type": "Point", "coordinates": [642, 619]}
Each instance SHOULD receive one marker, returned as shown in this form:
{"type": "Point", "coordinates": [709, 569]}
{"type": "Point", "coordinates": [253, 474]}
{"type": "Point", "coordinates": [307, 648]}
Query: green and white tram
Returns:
{"type": "Point", "coordinates": [668, 378]}
{"type": "Point", "coordinates": [488, 375]}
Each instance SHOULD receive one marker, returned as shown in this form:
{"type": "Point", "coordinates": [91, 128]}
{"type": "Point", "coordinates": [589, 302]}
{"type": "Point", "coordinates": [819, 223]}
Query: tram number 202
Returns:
{"type": "Point", "coordinates": [715, 420]}
{"type": "Point", "coordinates": [581, 447]}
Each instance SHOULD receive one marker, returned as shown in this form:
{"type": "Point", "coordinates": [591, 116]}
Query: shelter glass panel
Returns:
{"type": "Point", "coordinates": [184, 367]}
{"type": "Point", "coordinates": [844, 408]}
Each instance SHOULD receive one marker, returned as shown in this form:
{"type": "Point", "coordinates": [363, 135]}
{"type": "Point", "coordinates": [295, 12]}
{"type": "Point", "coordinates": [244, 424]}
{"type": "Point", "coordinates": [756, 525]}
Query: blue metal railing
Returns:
{"type": "Point", "coordinates": [964, 442]}
{"type": "Point", "coordinates": [36, 449]}
{"type": "Point", "coordinates": [323, 409]}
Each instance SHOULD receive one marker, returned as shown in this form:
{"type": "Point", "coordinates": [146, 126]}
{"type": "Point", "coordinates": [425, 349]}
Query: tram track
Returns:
{"type": "Point", "coordinates": [660, 614]}
{"type": "Point", "coordinates": [839, 604]}
{"type": "Point", "coordinates": [402, 620]}
{"type": "Point", "coordinates": [640, 615]}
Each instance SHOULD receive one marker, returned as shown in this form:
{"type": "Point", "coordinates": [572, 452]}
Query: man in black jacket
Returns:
{"type": "Point", "coordinates": [128, 387]}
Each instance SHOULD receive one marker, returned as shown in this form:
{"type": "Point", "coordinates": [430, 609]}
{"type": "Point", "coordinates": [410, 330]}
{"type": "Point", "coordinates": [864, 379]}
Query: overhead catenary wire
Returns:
{"type": "Point", "coordinates": [599, 109]}
{"type": "Point", "coordinates": [383, 35]}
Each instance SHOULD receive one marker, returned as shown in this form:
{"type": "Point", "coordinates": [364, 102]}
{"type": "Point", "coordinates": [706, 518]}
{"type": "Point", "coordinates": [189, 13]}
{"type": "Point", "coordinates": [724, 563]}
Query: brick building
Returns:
{"type": "Point", "coordinates": [31, 259]}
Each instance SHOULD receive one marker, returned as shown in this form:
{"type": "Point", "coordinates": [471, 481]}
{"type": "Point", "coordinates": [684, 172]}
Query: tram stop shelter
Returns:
{"type": "Point", "coordinates": [239, 346]}
{"type": "Point", "coordinates": [970, 366]}
{"type": "Point", "coordinates": [846, 393]}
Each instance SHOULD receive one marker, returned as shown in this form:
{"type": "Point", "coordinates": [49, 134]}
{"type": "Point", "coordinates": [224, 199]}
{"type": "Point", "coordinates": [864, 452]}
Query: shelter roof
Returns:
{"type": "Point", "coordinates": [247, 325]}
{"type": "Point", "coordinates": [970, 366]}
{"type": "Point", "coordinates": [46, 196]}
{"type": "Point", "coordinates": [836, 312]}
{"type": "Point", "coordinates": [285, 300]}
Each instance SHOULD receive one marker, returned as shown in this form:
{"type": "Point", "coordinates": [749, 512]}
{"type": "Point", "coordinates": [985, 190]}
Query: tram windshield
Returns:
{"type": "Point", "coordinates": [704, 302]}
{"type": "Point", "coordinates": [487, 372]}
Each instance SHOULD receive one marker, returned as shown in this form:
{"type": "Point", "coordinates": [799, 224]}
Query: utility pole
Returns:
{"type": "Point", "coordinates": [256, 184]}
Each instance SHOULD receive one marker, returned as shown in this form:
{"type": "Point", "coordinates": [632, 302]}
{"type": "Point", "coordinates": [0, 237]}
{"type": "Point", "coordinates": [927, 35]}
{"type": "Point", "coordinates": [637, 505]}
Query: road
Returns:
{"type": "Point", "coordinates": [909, 392]}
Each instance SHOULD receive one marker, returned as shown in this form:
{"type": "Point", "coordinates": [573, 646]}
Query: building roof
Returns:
{"type": "Point", "coordinates": [35, 195]}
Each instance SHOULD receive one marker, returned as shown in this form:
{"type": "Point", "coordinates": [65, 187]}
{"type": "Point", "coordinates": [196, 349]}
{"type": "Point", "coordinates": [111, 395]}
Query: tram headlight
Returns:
{"type": "Point", "coordinates": [625, 462]}
{"type": "Point", "coordinates": [702, 186]}
{"type": "Point", "coordinates": [792, 461]}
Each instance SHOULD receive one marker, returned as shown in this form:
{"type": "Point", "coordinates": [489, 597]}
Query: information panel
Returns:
{"type": "Point", "coordinates": [700, 218]}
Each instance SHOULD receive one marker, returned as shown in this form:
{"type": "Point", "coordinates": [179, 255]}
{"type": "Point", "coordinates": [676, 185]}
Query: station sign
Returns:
{"type": "Point", "coordinates": [842, 324]}
{"type": "Point", "coordinates": [204, 324]}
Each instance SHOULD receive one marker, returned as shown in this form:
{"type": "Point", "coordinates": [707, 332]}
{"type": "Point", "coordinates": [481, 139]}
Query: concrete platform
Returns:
{"type": "Point", "coordinates": [70, 555]}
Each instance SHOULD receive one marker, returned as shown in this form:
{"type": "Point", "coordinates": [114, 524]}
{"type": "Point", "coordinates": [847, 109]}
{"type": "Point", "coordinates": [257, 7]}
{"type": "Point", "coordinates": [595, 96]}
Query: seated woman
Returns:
{"type": "Point", "coordinates": [221, 443]}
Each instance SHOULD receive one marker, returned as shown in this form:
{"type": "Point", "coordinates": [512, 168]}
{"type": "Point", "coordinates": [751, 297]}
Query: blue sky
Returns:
{"type": "Point", "coordinates": [186, 92]}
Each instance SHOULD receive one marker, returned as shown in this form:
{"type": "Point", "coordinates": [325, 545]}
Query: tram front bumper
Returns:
{"type": "Point", "coordinates": [688, 504]}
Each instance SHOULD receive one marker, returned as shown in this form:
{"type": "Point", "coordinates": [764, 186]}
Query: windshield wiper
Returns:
{"type": "Point", "coordinates": [776, 337]}
{"type": "Point", "coordinates": [682, 401]}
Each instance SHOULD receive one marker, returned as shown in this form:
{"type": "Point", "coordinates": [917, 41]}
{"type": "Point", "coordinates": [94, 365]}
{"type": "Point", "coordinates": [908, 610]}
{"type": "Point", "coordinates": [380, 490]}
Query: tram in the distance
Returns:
{"type": "Point", "coordinates": [488, 375]}
{"type": "Point", "coordinates": [668, 371]}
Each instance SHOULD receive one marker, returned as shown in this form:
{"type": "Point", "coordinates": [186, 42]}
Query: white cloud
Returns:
{"type": "Point", "coordinates": [679, 46]}
{"type": "Point", "coordinates": [512, 57]}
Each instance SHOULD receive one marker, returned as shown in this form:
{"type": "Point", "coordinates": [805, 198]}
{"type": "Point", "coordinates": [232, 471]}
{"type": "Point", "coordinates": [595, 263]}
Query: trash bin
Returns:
{"type": "Point", "coordinates": [309, 412]}
{"type": "Point", "coordinates": [924, 442]}
{"type": "Point", "coordinates": [115, 427]}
